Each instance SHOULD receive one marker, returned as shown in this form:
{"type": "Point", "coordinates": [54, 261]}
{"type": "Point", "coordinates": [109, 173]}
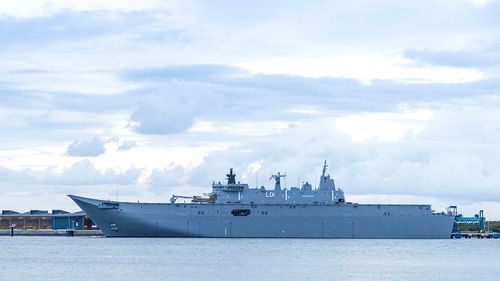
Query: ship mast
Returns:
{"type": "Point", "coordinates": [277, 179]}
{"type": "Point", "coordinates": [231, 177]}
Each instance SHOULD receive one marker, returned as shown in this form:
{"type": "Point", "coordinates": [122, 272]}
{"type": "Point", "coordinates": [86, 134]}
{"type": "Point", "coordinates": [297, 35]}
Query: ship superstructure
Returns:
{"type": "Point", "coordinates": [240, 193]}
{"type": "Point", "coordinates": [234, 209]}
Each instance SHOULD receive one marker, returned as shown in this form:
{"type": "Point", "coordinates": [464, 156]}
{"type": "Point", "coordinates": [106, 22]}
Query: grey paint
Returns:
{"type": "Point", "coordinates": [294, 213]}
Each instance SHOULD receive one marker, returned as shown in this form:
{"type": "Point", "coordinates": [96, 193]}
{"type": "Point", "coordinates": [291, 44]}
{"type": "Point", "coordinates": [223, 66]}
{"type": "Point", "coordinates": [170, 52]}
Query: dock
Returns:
{"type": "Point", "coordinates": [478, 235]}
{"type": "Point", "coordinates": [52, 232]}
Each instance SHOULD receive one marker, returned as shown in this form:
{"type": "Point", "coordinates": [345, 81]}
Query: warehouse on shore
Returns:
{"type": "Point", "coordinates": [42, 219]}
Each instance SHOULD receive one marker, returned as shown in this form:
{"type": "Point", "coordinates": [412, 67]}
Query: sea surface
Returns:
{"type": "Point", "coordinates": [89, 258]}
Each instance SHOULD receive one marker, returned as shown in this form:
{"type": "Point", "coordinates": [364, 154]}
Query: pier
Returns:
{"type": "Point", "coordinates": [51, 232]}
{"type": "Point", "coordinates": [473, 234]}
{"type": "Point", "coordinates": [471, 227]}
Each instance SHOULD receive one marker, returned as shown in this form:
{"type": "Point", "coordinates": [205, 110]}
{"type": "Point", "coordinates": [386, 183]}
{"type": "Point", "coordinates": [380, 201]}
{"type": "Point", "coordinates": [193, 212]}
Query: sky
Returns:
{"type": "Point", "coordinates": [139, 100]}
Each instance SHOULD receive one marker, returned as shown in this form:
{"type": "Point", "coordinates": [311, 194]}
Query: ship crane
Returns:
{"type": "Point", "coordinates": [211, 197]}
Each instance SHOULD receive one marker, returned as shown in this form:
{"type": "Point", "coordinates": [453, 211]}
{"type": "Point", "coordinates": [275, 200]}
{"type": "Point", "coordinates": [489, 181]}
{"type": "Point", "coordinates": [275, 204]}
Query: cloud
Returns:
{"type": "Point", "coordinates": [375, 68]}
{"type": "Point", "coordinates": [162, 114]}
{"type": "Point", "coordinates": [168, 178]}
{"type": "Point", "coordinates": [102, 38]}
{"type": "Point", "coordinates": [462, 58]}
{"type": "Point", "coordinates": [28, 9]}
{"type": "Point", "coordinates": [86, 148]}
{"type": "Point", "coordinates": [451, 157]}
{"type": "Point", "coordinates": [85, 173]}
{"type": "Point", "coordinates": [127, 145]}
{"type": "Point", "coordinates": [401, 100]}
{"type": "Point", "coordinates": [194, 72]}
{"type": "Point", "coordinates": [80, 173]}
{"type": "Point", "coordinates": [58, 27]}
{"type": "Point", "coordinates": [229, 94]}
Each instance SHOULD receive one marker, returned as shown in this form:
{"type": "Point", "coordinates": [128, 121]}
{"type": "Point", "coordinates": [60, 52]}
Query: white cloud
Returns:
{"type": "Point", "coordinates": [93, 147]}
{"type": "Point", "coordinates": [63, 81]}
{"type": "Point", "coordinates": [127, 145]}
{"type": "Point", "coordinates": [85, 173]}
{"type": "Point", "coordinates": [168, 178]}
{"type": "Point", "coordinates": [162, 117]}
{"type": "Point", "coordinates": [364, 68]}
{"type": "Point", "coordinates": [242, 128]}
{"type": "Point", "coordinates": [384, 127]}
{"type": "Point", "coordinates": [79, 173]}
{"type": "Point", "coordinates": [44, 8]}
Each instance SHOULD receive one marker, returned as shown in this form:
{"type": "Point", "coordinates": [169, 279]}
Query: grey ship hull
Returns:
{"type": "Point", "coordinates": [123, 219]}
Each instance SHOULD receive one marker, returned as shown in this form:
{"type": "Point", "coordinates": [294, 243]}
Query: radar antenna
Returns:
{"type": "Point", "coordinates": [277, 179]}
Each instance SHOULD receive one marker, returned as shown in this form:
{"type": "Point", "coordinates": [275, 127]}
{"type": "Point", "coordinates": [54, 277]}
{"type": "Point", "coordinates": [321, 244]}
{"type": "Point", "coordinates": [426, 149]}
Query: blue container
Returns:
{"type": "Point", "coordinates": [458, 235]}
{"type": "Point", "coordinates": [496, 235]}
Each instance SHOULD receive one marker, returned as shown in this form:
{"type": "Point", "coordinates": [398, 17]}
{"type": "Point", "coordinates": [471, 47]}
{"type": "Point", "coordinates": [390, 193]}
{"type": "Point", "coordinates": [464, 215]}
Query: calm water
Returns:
{"type": "Point", "coordinates": [85, 258]}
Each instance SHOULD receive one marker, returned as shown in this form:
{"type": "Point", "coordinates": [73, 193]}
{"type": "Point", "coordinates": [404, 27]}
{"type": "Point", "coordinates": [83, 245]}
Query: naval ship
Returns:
{"type": "Point", "coordinates": [234, 209]}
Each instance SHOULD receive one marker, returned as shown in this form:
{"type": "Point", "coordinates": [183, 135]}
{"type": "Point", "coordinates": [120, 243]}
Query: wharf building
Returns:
{"type": "Point", "coordinates": [43, 219]}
